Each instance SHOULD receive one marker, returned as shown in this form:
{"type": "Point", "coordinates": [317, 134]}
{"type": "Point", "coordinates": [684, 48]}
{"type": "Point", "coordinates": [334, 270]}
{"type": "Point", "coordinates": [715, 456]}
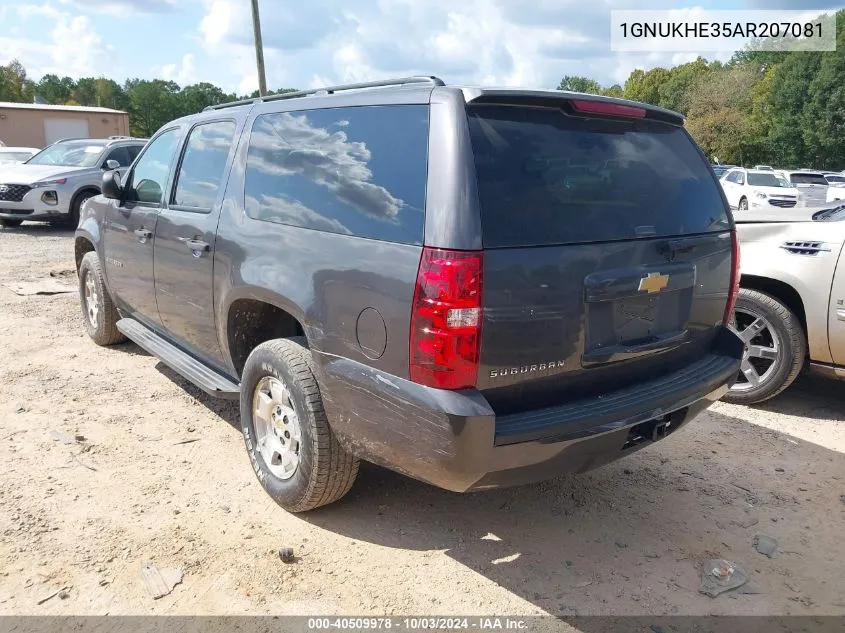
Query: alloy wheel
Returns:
{"type": "Point", "coordinates": [277, 428]}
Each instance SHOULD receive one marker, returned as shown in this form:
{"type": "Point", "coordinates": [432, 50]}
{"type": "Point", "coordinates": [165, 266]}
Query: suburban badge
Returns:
{"type": "Point", "coordinates": [525, 369]}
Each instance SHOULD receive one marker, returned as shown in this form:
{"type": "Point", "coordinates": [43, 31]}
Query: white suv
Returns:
{"type": "Point", "coordinates": [53, 184]}
{"type": "Point", "coordinates": [758, 189]}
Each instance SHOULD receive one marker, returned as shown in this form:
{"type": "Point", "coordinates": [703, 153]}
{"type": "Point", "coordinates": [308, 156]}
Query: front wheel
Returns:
{"type": "Point", "coordinates": [72, 220]}
{"type": "Point", "coordinates": [775, 347]}
{"type": "Point", "coordinates": [293, 451]}
{"type": "Point", "coordinates": [98, 311]}
{"type": "Point", "coordinates": [743, 204]}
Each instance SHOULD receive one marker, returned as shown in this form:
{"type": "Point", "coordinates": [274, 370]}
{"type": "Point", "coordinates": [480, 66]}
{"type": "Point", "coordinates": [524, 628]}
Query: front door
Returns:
{"type": "Point", "coordinates": [184, 239]}
{"type": "Point", "coordinates": [130, 229]}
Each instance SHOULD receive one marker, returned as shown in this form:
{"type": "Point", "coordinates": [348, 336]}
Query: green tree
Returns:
{"type": "Point", "coordinates": [674, 91]}
{"type": "Point", "coordinates": [824, 107]}
{"type": "Point", "coordinates": [574, 83]}
{"type": "Point", "coordinates": [613, 91]}
{"type": "Point", "coordinates": [85, 91]}
{"type": "Point", "coordinates": [55, 90]}
{"type": "Point", "coordinates": [14, 84]}
{"type": "Point", "coordinates": [645, 85]}
{"type": "Point", "coordinates": [719, 111]}
{"type": "Point", "coordinates": [153, 103]}
{"type": "Point", "coordinates": [198, 96]}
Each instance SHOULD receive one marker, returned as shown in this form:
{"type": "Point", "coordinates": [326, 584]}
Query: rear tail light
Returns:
{"type": "Point", "coordinates": [609, 109]}
{"type": "Point", "coordinates": [446, 319]}
{"type": "Point", "coordinates": [733, 291]}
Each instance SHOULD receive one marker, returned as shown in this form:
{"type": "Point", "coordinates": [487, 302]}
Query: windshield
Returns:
{"type": "Point", "coordinates": [75, 154]}
{"type": "Point", "coordinates": [13, 157]}
{"type": "Point", "coordinates": [766, 180]}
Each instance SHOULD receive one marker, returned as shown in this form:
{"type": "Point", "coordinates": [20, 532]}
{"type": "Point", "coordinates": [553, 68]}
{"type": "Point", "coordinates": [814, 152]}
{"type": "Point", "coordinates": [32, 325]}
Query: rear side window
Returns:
{"type": "Point", "coordinates": [548, 178]}
{"type": "Point", "coordinates": [357, 171]}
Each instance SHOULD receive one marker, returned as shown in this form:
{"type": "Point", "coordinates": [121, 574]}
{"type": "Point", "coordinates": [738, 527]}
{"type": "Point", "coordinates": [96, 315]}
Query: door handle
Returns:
{"type": "Point", "coordinates": [143, 234]}
{"type": "Point", "coordinates": [197, 247]}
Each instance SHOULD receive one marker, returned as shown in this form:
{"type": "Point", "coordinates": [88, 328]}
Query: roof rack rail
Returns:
{"type": "Point", "coordinates": [435, 81]}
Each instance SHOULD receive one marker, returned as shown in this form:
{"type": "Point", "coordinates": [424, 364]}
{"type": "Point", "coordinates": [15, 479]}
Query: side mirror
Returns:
{"type": "Point", "coordinates": [111, 164]}
{"type": "Point", "coordinates": [111, 187]}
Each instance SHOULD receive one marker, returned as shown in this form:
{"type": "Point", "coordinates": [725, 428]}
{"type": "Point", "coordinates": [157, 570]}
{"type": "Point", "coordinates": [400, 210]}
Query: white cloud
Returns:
{"type": "Point", "coordinates": [183, 73]}
{"type": "Point", "coordinates": [122, 8]}
{"type": "Point", "coordinates": [69, 45]}
{"type": "Point", "coordinates": [529, 43]}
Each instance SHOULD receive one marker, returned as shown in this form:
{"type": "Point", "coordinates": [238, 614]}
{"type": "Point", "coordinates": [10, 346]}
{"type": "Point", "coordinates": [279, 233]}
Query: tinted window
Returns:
{"type": "Point", "coordinates": [359, 171]}
{"type": "Point", "coordinates": [134, 150]}
{"type": "Point", "coordinates": [807, 179]}
{"type": "Point", "coordinates": [548, 178]}
{"type": "Point", "coordinates": [732, 177]}
{"type": "Point", "coordinates": [202, 164]}
{"type": "Point", "coordinates": [121, 155]}
{"type": "Point", "coordinates": [150, 174]}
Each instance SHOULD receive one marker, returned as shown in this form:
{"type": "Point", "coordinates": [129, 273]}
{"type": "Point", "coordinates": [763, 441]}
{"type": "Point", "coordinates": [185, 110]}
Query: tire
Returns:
{"type": "Point", "coordinates": [783, 333]}
{"type": "Point", "coordinates": [743, 204]}
{"type": "Point", "coordinates": [10, 224]}
{"type": "Point", "coordinates": [72, 220]}
{"type": "Point", "coordinates": [280, 374]}
{"type": "Point", "coordinates": [100, 323]}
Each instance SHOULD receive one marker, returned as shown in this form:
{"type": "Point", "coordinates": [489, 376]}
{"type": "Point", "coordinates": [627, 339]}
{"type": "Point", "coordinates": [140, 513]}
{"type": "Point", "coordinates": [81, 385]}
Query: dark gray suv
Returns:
{"type": "Point", "coordinates": [473, 287]}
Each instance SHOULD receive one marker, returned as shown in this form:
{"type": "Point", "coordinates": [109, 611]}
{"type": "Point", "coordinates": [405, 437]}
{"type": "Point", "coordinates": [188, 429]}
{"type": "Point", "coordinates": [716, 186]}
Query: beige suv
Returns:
{"type": "Point", "coordinates": [791, 307]}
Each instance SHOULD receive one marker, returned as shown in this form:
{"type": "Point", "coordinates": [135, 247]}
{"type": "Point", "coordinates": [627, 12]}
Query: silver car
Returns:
{"type": "Point", "coordinates": [791, 307]}
{"type": "Point", "coordinates": [53, 184]}
{"type": "Point", "coordinates": [811, 186]}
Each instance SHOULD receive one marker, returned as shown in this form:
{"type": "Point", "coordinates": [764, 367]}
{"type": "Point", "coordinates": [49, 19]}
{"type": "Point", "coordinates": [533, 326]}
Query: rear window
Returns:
{"type": "Point", "coordinates": [548, 178]}
{"type": "Point", "coordinates": [807, 179]}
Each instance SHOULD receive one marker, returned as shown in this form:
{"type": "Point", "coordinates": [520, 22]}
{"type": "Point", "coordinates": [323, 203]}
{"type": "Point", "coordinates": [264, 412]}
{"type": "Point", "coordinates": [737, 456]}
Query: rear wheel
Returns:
{"type": "Point", "coordinates": [743, 204]}
{"type": "Point", "coordinates": [98, 311]}
{"type": "Point", "coordinates": [775, 347]}
{"type": "Point", "coordinates": [10, 224]}
{"type": "Point", "coordinates": [293, 451]}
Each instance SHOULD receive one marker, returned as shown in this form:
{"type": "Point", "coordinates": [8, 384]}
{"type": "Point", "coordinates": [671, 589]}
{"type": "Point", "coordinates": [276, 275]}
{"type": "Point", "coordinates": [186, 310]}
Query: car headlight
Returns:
{"type": "Point", "coordinates": [49, 183]}
{"type": "Point", "coordinates": [760, 194]}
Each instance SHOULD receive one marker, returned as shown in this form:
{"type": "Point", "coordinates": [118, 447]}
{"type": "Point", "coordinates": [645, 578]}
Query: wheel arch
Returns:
{"type": "Point", "coordinates": [255, 316]}
{"type": "Point", "coordinates": [781, 291]}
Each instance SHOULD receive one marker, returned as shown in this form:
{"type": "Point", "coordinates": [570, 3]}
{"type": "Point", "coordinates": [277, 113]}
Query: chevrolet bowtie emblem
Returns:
{"type": "Point", "coordinates": [653, 282]}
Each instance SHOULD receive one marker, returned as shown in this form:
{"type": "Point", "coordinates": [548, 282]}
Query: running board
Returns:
{"type": "Point", "coordinates": [184, 364]}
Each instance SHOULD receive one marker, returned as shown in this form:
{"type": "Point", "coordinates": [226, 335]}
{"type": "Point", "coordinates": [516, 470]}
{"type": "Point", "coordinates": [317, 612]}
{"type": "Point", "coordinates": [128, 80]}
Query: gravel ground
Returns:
{"type": "Point", "coordinates": [111, 461]}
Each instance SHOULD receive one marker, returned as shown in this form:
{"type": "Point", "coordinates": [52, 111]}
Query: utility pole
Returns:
{"type": "Point", "coordinates": [259, 49]}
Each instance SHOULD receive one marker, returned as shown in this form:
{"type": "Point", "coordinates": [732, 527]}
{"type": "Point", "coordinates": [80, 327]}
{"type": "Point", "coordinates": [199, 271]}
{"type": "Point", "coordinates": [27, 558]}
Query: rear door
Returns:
{"type": "Point", "coordinates": [185, 236]}
{"type": "Point", "coordinates": [607, 252]}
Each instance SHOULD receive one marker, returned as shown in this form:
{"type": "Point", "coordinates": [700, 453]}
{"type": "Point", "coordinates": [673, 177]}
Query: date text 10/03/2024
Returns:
{"type": "Point", "coordinates": [418, 623]}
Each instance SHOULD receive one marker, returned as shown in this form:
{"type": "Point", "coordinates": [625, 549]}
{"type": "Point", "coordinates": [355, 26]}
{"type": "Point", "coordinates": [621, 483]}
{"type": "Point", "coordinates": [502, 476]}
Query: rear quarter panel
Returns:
{"type": "Point", "coordinates": [325, 280]}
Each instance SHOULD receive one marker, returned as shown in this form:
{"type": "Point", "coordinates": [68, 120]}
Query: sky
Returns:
{"type": "Point", "coordinates": [314, 43]}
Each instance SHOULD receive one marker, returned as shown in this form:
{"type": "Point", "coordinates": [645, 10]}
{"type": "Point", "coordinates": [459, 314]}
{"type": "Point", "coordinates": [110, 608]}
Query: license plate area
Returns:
{"type": "Point", "coordinates": [624, 322]}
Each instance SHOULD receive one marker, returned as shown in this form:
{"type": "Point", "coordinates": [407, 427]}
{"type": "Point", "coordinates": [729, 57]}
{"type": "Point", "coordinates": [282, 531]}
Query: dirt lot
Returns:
{"type": "Point", "coordinates": [162, 477]}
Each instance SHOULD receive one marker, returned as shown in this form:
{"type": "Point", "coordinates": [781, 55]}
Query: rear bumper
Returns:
{"type": "Point", "coordinates": [453, 439]}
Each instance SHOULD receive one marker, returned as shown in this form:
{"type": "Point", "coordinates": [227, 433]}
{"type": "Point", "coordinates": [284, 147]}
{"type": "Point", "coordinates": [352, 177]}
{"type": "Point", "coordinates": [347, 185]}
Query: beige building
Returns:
{"type": "Point", "coordinates": [39, 125]}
